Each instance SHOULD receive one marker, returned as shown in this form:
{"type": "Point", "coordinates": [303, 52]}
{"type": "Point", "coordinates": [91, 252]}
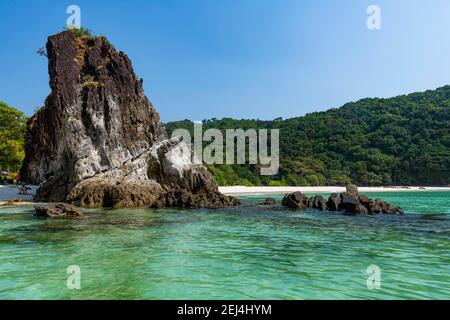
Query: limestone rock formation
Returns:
{"type": "Point", "coordinates": [98, 141]}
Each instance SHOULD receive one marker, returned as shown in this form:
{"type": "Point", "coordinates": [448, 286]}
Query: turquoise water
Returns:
{"type": "Point", "coordinates": [249, 252]}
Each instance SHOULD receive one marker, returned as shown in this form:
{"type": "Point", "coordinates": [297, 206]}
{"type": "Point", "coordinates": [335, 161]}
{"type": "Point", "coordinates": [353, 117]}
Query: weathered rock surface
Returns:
{"type": "Point", "coordinates": [57, 211]}
{"type": "Point", "coordinates": [319, 203]}
{"type": "Point", "coordinates": [350, 202]}
{"type": "Point", "coordinates": [334, 202]}
{"type": "Point", "coordinates": [352, 189]}
{"type": "Point", "coordinates": [296, 200]}
{"type": "Point", "coordinates": [98, 141]}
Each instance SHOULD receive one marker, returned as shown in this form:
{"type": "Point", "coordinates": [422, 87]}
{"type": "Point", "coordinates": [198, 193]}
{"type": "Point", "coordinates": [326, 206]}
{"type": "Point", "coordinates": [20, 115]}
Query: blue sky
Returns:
{"type": "Point", "coordinates": [241, 58]}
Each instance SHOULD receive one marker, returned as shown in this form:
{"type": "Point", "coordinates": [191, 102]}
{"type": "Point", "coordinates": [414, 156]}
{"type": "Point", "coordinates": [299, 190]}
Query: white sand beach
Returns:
{"type": "Point", "coordinates": [242, 190]}
{"type": "Point", "coordinates": [11, 191]}
{"type": "Point", "coordinates": [8, 192]}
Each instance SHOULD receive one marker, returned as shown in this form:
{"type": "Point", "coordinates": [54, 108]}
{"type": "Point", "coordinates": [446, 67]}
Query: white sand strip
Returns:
{"type": "Point", "coordinates": [241, 190]}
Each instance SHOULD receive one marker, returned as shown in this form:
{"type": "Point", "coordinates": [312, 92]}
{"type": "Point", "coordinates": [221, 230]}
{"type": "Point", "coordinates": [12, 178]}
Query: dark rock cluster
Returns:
{"type": "Point", "coordinates": [98, 141]}
{"type": "Point", "coordinates": [349, 202]}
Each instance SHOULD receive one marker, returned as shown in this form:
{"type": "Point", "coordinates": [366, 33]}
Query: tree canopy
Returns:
{"type": "Point", "coordinates": [12, 133]}
{"type": "Point", "coordinates": [403, 140]}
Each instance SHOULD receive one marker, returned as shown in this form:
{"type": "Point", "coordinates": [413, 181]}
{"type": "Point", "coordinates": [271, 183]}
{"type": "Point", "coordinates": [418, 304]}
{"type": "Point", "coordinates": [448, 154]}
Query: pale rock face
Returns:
{"type": "Point", "coordinates": [98, 141]}
{"type": "Point", "coordinates": [170, 160]}
{"type": "Point", "coordinates": [177, 161]}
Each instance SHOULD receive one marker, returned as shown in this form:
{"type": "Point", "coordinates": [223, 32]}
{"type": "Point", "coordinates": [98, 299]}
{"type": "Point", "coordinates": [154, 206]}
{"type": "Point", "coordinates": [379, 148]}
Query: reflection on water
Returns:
{"type": "Point", "coordinates": [249, 252]}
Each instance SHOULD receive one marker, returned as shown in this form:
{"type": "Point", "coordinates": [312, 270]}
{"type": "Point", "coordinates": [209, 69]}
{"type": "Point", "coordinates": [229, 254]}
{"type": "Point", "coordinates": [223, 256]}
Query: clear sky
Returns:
{"type": "Point", "coordinates": [241, 58]}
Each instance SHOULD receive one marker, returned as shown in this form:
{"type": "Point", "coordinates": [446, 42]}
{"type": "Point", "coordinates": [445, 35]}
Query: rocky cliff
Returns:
{"type": "Point", "coordinates": [98, 141]}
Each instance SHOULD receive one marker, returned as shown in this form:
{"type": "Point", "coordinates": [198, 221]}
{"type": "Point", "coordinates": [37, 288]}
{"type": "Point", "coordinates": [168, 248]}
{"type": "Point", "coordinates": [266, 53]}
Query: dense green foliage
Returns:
{"type": "Point", "coordinates": [80, 32]}
{"type": "Point", "coordinates": [403, 140]}
{"type": "Point", "coordinates": [12, 133]}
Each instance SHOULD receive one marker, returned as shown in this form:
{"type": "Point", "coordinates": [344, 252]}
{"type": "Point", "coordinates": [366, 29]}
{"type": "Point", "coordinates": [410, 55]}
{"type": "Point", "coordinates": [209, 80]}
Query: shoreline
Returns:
{"type": "Point", "coordinates": [242, 190]}
{"type": "Point", "coordinates": [26, 203]}
{"type": "Point", "coordinates": [263, 190]}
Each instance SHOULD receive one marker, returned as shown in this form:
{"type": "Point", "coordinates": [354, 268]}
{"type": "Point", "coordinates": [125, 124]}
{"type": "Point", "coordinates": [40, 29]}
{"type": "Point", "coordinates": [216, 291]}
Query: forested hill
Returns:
{"type": "Point", "coordinates": [403, 140]}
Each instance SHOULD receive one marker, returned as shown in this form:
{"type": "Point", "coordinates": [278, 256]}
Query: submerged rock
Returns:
{"type": "Point", "coordinates": [57, 210]}
{"type": "Point", "coordinates": [269, 202]}
{"type": "Point", "coordinates": [98, 141]}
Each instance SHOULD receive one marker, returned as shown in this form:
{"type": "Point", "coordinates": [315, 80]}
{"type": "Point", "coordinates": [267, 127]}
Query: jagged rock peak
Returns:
{"type": "Point", "coordinates": [92, 142]}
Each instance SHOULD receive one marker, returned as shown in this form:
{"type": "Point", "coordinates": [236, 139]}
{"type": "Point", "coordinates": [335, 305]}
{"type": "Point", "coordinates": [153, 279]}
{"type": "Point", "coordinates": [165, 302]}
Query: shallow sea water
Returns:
{"type": "Point", "coordinates": [248, 252]}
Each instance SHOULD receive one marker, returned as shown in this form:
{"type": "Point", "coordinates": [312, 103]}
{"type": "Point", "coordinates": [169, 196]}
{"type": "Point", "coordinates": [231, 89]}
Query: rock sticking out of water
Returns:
{"type": "Point", "coordinates": [350, 202]}
{"type": "Point", "coordinates": [98, 141]}
{"type": "Point", "coordinates": [57, 211]}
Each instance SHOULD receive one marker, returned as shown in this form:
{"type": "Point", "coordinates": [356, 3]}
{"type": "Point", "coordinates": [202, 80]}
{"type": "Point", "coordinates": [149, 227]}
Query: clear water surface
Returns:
{"type": "Point", "coordinates": [248, 252]}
